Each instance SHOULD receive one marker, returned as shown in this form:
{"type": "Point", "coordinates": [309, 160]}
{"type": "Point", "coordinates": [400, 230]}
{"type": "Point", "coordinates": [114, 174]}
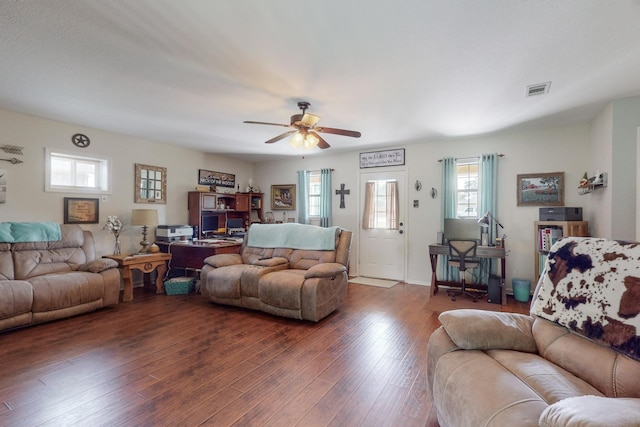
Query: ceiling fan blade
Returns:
{"type": "Point", "coordinates": [342, 132]}
{"type": "Point", "coordinates": [265, 123]}
{"type": "Point", "coordinates": [279, 137]}
{"type": "Point", "coordinates": [322, 144]}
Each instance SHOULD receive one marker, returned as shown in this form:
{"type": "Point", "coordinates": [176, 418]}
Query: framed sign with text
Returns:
{"type": "Point", "coordinates": [376, 159]}
{"type": "Point", "coordinates": [219, 179]}
{"type": "Point", "coordinates": [80, 210]}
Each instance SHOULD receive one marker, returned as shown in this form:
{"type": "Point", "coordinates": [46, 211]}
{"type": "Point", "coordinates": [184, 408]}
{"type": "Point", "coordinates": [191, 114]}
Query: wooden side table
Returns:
{"type": "Point", "coordinates": [146, 263]}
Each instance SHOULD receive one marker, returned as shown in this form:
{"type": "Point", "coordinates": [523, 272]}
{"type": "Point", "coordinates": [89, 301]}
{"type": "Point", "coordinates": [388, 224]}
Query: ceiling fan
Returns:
{"type": "Point", "coordinates": [305, 130]}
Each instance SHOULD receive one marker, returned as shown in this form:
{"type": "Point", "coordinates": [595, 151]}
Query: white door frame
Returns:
{"type": "Point", "coordinates": [404, 208]}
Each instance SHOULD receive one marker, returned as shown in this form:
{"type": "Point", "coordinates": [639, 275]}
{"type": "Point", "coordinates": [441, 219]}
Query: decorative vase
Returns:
{"type": "Point", "coordinates": [116, 248]}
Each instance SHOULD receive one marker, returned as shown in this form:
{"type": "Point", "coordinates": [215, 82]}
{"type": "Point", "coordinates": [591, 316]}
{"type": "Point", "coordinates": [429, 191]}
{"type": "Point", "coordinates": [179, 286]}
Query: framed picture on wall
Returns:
{"type": "Point", "coordinates": [79, 210]}
{"type": "Point", "coordinates": [541, 189]}
{"type": "Point", "coordinates": [283, 197]}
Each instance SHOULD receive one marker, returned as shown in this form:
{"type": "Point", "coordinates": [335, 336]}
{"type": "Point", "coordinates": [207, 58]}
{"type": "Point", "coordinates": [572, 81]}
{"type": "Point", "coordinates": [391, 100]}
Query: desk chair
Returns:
{"type": "Point", "coordinates": [462, 255]}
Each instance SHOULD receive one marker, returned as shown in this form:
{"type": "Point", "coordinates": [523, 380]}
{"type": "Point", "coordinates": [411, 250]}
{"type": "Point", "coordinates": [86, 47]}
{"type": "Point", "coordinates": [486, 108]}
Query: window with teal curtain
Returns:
{"type": "Point", "coordinates": [488, 193]}
{"type": "Point", "coordinates": [325, 198]}
{"type": "Point", "coordinates": [303, 197]}
{"type": "Point", "coordinates": [314, 196]}
{"type": "Point", "coordinates": [448, 209]}
{"type": "Point", "coordinates": [488, 203]}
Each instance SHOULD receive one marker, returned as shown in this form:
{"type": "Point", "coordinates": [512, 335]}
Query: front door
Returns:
{"type": "Point", "coordinates": [382, 250]}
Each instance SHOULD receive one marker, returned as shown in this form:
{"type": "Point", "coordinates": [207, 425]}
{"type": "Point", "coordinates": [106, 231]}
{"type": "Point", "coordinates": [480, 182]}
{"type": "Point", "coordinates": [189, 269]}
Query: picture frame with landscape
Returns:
{"type": "Point", "coordinates": [283, 197]}
{"type": "Point", "coordinates": [541, 189]}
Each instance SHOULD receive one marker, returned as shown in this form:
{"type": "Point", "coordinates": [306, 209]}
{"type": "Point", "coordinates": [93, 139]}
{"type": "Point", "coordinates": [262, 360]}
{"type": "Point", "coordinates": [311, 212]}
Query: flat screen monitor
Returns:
{"type": "Point", "coordinates": [462, 229]}
{"type": "Point", "coordinates": [209, 224]}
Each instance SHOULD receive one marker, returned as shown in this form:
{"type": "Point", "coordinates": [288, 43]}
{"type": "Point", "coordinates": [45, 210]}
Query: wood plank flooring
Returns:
{"type": "Point", "coordinates": [179, 360]}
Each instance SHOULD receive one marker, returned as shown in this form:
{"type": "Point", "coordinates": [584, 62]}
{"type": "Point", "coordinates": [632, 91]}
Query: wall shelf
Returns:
{"type": "Point", "coordinates": [593, 183]}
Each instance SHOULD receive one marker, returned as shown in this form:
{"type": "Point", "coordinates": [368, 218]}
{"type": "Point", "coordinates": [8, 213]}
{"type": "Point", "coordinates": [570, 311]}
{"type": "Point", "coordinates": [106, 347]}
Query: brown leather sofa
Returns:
{"type": "Point", "coordinates": [282, 269]}
{"type": "Point", "coordinates": [574, 361]}
{"type": "Point", "coordinates": [42, 281]}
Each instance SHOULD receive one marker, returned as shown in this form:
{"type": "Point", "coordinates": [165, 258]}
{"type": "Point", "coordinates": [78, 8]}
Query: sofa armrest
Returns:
{"type": "Point", "coordinates": [473, 329]}
{"type": "Point", "coordinates": [98, 265]}
{"type": "Point", "coordinates": [592, 411]}
{"type": "Point", "coordinates": [223, 260]}
{"type": "Point", "coordinates": [326, 269]}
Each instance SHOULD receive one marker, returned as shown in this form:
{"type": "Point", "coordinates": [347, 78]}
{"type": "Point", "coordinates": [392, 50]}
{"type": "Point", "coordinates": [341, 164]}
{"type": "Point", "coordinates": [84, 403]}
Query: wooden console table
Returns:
{"type": "Point", "coordinates": [146, 263]}
{"type": "Point", "coordinates": [190, 255]}
{"type": "Point", "coordinates": [481, 252]}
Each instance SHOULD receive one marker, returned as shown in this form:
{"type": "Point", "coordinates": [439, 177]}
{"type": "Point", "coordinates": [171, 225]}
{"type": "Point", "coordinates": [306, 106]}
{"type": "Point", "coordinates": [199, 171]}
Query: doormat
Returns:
{"type": "Point", "coordinates": [380, 283]}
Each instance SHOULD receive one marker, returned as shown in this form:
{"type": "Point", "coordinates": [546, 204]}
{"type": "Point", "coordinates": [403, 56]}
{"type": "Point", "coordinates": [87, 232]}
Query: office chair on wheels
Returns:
{"type": "Point", "coordinates": [462, 255]}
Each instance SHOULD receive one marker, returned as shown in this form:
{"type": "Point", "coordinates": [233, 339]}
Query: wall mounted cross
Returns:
{"type": "Point", "coordinates": [342, 192]}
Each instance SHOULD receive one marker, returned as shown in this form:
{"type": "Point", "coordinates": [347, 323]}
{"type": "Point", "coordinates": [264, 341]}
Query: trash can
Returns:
{"type": "Point", "coordinates": [521, 289]}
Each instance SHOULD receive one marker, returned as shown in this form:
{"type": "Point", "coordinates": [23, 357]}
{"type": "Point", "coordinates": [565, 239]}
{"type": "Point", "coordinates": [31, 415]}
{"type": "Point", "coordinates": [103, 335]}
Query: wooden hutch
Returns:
{"type": "Point", "coordinates": [209, 211]}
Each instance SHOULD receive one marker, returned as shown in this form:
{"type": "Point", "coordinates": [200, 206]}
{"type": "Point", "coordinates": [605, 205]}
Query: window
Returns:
{"type": "Point", "coordinates": [467, 188]}
{"type": "Point", "coordinates": [381, 205]}
{"type": "Point", "coordinates": [314, 194]}
{"type": "Point", "coordinates": [66, 172]}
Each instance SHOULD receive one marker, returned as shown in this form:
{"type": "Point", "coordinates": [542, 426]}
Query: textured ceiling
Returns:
{"type": "Point", "coordinates": [189, 72]}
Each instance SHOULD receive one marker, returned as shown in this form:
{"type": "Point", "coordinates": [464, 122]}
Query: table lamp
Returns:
{"type": "Point", "coordinates": [485, 222]}
{"type": "Point", "coordinates": [145, 218]}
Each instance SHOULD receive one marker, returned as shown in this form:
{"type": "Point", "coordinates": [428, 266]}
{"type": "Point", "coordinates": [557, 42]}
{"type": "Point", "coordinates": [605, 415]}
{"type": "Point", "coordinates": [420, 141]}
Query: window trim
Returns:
{"type": "Point", "coordinates": [476, 190]}
{"type": "Point", "coordinates": [104, 187]}
{"type": "Point", "coordinates": [309, 195]}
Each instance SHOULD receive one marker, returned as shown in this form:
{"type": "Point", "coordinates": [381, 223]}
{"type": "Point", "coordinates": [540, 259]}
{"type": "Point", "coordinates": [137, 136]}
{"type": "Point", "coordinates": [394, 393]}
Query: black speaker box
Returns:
{"type": "Point", "coordinates": [494, 290]}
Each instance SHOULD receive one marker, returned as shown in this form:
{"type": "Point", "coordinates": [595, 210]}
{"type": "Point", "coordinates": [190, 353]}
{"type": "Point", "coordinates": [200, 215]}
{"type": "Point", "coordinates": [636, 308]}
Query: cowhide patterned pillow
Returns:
{"type": "Point", "coordinates": [592, 286]}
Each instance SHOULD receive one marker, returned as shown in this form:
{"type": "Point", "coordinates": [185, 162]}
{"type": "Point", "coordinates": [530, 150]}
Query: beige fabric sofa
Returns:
{"type": "Point", "coordinates": [574, 361]}
{"type": "Point", "coordinates": [48, 280]}
{"type": "Point", "coordinates": [282, 271]}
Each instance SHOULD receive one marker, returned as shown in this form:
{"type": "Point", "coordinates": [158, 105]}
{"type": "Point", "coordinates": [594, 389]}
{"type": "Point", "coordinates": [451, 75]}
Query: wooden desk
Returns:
{"type": "Point", "coordinates": [481, 252]}
{"type": "Point", "coordinates": [190, 255]}
{"type": "Point", "coordinates": [146, 263]}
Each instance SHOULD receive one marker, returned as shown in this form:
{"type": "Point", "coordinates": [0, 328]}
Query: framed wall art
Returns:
{"type": "Point", "coordinates": [283, 197]}
{"type": "Point", "coordinates": [217, 179]}
{"type": "Point", "coordinates": [541, 189]}
{"type": "Point", "coordinates": [377, 159]}
{"type": "Point", "coordinates": [80, 210]}
{"type": "Point", "coordinates": [150, 185]}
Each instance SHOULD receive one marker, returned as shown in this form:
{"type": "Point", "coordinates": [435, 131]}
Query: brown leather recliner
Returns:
{"type": "Point", "coordinates": [574, 361]}
{"type": "Point", "coordinates": [301, 281]}
{"type": "Point", "coordinates": [48, 280]}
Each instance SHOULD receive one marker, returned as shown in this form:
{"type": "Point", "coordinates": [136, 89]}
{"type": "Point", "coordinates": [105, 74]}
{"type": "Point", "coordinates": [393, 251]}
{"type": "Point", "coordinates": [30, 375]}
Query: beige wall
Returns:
{"type": "Point", "coordinates": [614, 149]}
{"type": "Point", "coordinates": [27, 200]}
{"type": "Point", "coordinates": [549, 150]}
{"type": "Point", "coordinates": [571, 149]}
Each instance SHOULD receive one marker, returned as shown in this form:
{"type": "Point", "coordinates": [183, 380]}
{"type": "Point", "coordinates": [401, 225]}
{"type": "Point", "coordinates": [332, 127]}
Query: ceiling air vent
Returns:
{"type": "Point", "coordinates": [538, 89]}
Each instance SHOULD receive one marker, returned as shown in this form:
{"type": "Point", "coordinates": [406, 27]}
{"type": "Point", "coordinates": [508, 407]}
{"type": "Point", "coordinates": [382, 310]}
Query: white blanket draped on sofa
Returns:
{"type": "Point", "coordinates": [292, 235]}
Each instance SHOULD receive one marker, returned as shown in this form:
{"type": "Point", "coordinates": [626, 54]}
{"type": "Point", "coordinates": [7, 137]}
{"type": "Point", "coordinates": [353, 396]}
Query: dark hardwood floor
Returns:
{"type": "Point", "coordinates": [179, 360]}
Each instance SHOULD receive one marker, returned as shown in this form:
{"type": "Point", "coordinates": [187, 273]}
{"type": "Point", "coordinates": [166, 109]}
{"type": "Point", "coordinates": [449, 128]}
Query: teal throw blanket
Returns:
{"type": "Point", "coordinates": [292, 235]}
{"type": "Point", "coordinates": [18, 232]}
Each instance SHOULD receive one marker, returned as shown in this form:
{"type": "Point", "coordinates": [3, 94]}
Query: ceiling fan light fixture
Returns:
{"type": "Point", "coordinates": [310, 120]}
{"type": "Point", "coordinates": [305, 133]}
{"type": "Point", "coordinates": [311, 141]}
{"type": "Point", "coordinates": [296, 140]}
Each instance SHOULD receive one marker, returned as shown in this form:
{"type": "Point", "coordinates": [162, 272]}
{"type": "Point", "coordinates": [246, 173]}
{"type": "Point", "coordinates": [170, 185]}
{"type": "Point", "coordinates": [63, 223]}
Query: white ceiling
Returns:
{"type": "Point", "coordinates": [190, 71]}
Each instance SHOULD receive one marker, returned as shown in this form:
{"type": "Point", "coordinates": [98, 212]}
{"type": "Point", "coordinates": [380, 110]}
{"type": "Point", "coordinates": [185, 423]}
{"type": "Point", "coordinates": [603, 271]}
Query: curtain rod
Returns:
{"type": "Point", "coordinates": [440, 160]}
